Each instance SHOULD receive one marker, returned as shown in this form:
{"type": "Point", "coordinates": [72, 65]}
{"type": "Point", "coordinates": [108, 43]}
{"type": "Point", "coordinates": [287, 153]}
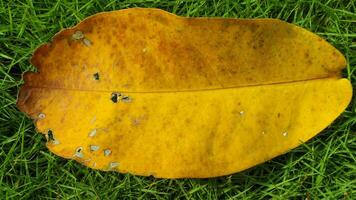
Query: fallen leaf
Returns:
{"type": "Point", "coordinates": [150, 93]}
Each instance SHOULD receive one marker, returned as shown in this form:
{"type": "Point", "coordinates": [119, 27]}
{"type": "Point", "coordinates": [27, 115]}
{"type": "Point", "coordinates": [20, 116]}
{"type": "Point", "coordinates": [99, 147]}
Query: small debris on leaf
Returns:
{"type": "Point", "coordinates": [113, 165]}
{"type": "Point", "coordinates": [94, 147]}
{"type": "Point", "coordinates": [107, 152]}
{"type": "Point", "coordinates": [78, 35]}
{"type": "Point", "coordinates": [78, 152]}
{"type": "Point", "coordinates": [92, 133]}
{"type": "Point", "coordinates": [285, 133]}
{"type": "Point", "coordinates": [41, 116]}
{"type": "Point", "coordinates": [86, 42]}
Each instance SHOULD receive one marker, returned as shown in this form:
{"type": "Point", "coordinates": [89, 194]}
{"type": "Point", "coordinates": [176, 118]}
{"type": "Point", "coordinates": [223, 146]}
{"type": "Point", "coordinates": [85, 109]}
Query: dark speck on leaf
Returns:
{"type": "Point", "coordinates": [126, 99]}
{"type": "Point", "coordinates": [50, 135]}
{"type": "Point", "coordinates": [115, 97]}
{"type": "Point", "coordinates": [96, 76]}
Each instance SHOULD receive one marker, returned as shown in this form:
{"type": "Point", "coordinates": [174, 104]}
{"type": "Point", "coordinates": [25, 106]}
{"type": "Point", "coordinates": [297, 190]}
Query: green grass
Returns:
{"type": "Point", "coordinates": [323, 168]}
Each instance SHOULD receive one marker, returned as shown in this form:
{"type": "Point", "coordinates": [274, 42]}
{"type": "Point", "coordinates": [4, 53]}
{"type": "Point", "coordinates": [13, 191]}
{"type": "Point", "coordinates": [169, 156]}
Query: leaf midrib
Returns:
{"type": "Point", "coordinates": [184, 90]}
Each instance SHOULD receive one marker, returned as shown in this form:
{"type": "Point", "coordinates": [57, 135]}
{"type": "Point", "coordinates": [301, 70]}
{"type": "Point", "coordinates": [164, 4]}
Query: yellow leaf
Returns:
{"type": "Point", "coordinates": [150, 93]}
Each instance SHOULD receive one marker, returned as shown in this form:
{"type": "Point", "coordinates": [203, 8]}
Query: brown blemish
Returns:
{"type": "Point", "coordinates": [261, 42]}
{"type": "Point", "coordinates": [187, 121]}
{"type": "Point", "coordinates": [23, 97]}
{"type": "Point", "coordinates": [253, 27]}
{"type": "Point", "coordinates": [62, 119]}
{"type": "Point", "coordinates": [306, 55]}
{"type": "Point", "coordinates": [108, 39]}
{"type": "Point", "coordinates": [136, 121]}
{"type": "Point", "coordinates": [225, 25]}
{"type": "Point", "coordinates": [160, 18]}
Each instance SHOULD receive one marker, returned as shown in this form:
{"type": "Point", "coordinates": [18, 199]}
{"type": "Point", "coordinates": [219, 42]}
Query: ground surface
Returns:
{"type": "Point", "coordinates": [323, 168]}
